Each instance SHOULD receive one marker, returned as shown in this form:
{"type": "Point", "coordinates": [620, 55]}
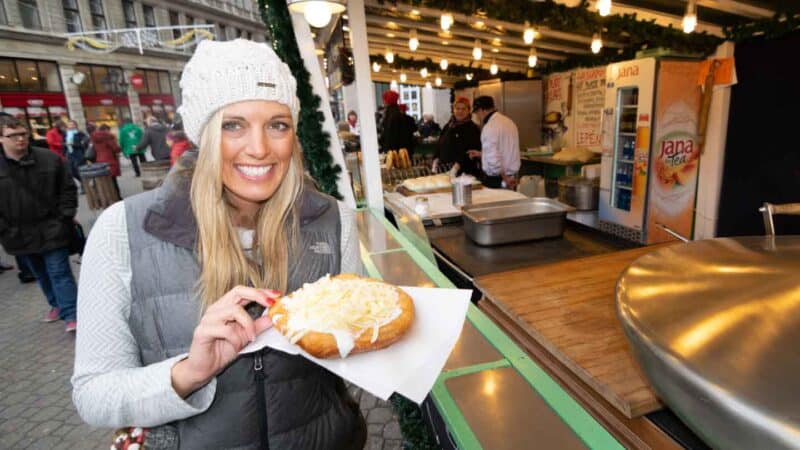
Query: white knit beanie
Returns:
{"type": "Point", "coordinates": [221, 73]}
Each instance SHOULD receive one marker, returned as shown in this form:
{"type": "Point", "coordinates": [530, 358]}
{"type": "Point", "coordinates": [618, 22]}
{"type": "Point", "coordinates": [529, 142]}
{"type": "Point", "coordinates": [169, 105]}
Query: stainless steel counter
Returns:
{"type": "Point", "coordinates": [715, 325]}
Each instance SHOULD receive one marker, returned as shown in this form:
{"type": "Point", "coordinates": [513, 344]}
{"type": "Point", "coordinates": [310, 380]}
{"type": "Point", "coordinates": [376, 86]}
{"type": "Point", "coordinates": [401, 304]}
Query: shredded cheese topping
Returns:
{"type": "Point", "coordinates": [345, 308]}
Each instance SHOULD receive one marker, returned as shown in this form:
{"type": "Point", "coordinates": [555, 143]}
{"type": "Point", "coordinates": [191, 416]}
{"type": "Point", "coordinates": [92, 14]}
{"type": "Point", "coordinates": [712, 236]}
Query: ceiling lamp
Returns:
{"type": "Point", "coordinates": [532, 58]}
{"type": "Point", "coordinates": [690, 18]}
{"type": "Point", "coordinates": [393, 85]}
{"type": "Point", "coordinates": [438, 81]}
{"type": "Point", "coordinates": [376, 67]}
{"type": "Point", "coordinates": [424, 72]}
{"type": "Point", "coordinates": [528, 34]}
{"type": "Point", "coordinates": [403, 77]}
{"type": "Point", "coordinates": [317, 13]}
{"type": "Point", "coordinates": [597, 43]}
{"type": "Point", "coordinates": [469, 76]}
{"type": "Point", "coordinates": [428, 85]}
{"type": "Point", "coordinates": [604, 7]}
{"type": "Point", "coordinates": [413, 41]}
{"type": "Point", "coordinates": [389, 56]}
{"type": "Point", "coordinates": [446, 21]}
{"type": "Point", "coordinates": [477, 52]}
{"type": "Point", "coordinates": [443, 64]}
{"type": "Point", "coordinates": [493, 68]}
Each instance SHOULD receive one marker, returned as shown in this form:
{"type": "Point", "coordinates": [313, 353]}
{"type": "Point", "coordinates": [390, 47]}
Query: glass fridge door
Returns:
{"type": "Point", "coordinates": [624, 147]}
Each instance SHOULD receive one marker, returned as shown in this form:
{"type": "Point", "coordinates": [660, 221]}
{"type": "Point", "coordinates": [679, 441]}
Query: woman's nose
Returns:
{"type": "Point", "coordinates": [259, 145]}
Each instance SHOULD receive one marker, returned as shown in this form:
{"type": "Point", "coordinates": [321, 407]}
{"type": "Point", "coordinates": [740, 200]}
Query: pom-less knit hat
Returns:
{"type": "Point", "coordinates": [221, 73]}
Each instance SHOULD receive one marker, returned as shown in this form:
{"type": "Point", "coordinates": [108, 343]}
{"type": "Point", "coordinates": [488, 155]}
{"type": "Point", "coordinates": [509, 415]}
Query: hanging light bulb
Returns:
{"type": "Point", "coordinates": [317, 13]}
{"type": "Point", "coordinates": [443, 64]}
{"type": "Point", "coordinates": [438, 81]}
{"type": "Point", "coordinates": [604, 7]}
{"type": "Point", "coordinates": [413, 41]}
{"type": "Point", "coordinates": [529, 34]}
{"type": "Point", "coordinates": [403, 77]}
{"type": "Point", "coordinates": [477, 52]}
{"type": "Point", "coordinates": [690, 18]}
{"type": "Point", "coordinates": [469, 76]}
{"type": "Point", "coordinates": [393, 85]}
{"type": "Point", "coordinates": [493, 68]}
{"type": "Point", "coordinates": [389, 55]}
{"type": "Point", "coordinates": [424, 72]}
{"type": "Point", "coordinates": [428, 85]}
{"type": "Point", "coordinates": [597, 43]}
{"type": "Point", "coordinates": [532, 58]}
{"type": "Point", "coordinates": [376, 67]}
{"type": "Point", "coordinates": [446, 21]}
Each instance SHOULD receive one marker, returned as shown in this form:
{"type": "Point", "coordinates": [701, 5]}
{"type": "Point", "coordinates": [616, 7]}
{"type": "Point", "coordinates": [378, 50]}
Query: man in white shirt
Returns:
{"type": "Point", "coordinates": [500, 141]}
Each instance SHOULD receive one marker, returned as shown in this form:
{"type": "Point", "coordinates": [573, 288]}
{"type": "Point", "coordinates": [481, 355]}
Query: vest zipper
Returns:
{"type": "Point", "coordinates": [258, 368]}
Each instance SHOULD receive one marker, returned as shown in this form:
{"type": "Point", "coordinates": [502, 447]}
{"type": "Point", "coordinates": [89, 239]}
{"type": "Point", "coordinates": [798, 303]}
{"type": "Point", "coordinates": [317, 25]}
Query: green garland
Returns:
{"type": "Point", "coordinates": [455, 70]}
{"type": "Point", "coordinates": [781, 24]}
{"type": "Point", "coordinates": [416, 434]}
{"type": "Point", "coordinates": [314, 140]}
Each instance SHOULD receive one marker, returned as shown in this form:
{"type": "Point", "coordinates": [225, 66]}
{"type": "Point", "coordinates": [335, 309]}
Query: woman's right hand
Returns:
{"type": "Point", "coordinates": [224, 330]}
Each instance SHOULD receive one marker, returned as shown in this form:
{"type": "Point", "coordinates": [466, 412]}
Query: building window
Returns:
{"type": "Point", "coordinates": [3, 17]}
{"type": "Point", "coordinates": [130, 14]}
{"type": "Point", "coordinates": [102, 80]}
{"type": "Point", "coordinates": [190, 20]}
{"type": "Point", "coordinates": [223, 33]}
{"type": "Point", "coordinates": [98, 16]}
{"type": "Point", "coordinates": [29, 75]}
{"type": "Point", "coordinates": [149, 16]}
{"type": "Point", "coordinates": [72, 16]}
{"type": "Point", "coordinates": [174, 21]}
{"type": "Point", "coordinates": [29, 14]}
{"type": "Point", "coordinates": [155, 81]}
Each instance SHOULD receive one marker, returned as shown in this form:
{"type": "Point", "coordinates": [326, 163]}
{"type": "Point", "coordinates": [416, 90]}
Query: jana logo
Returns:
{"type": "Point", "coordinates": [676, 163]}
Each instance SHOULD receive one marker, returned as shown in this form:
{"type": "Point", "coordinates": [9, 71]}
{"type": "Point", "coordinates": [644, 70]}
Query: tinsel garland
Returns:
{"type": "Point", "coordinates": [313, 139]}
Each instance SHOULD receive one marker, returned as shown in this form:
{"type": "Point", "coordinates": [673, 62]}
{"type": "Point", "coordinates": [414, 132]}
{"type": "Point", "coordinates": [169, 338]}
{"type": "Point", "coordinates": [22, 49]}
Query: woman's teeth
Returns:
{"type": "Point", "coordinates": [254, 171]}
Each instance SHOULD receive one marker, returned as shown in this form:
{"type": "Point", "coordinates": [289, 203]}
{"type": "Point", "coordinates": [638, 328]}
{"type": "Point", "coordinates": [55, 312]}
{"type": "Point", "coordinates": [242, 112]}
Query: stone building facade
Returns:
{"type": "Point", "coordinates": [38, 80]}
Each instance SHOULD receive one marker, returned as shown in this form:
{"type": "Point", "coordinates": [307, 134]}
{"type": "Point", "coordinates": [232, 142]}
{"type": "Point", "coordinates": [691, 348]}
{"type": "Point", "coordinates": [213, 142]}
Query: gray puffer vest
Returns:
{"type": "Point", "coordinates": [306, 407]}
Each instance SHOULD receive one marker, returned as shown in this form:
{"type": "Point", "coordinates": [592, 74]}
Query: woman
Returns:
{"type": "Point", "coordinates": [352, 122]}
{"type": "Point", "coordinates": [106, 150]}
{"type": "Point", "coordinates": [397, 129]}
{"type": "Point", "coordinates": [76, 142]}
{"type": "Point", "coordinates": [178, 144]}
{"type": "Point", "coordinates": [194, 262]}
{"type": "Point", "coordinates": [460, 135]}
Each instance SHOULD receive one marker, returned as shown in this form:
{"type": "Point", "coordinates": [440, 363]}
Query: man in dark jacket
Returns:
{"type": "Point", "coordinates": [155, 136]}
{"type": "Point", "coordinates": [38, 202]}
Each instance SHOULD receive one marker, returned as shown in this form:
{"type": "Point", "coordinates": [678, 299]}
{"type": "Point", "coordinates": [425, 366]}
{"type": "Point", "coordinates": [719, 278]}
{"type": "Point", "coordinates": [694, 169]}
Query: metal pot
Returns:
{"type": "Point", "coordinates": [579, 192]}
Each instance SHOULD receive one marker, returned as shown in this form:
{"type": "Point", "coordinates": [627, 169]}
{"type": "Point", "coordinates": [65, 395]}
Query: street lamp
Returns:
{"type": "Point", "coordinates": [317, 13]}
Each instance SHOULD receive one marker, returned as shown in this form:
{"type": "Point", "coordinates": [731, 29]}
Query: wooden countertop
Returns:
{"type": "Point", "coordinates": [569, 309]}
{"type": "Point", "coordinates": [549, 160]}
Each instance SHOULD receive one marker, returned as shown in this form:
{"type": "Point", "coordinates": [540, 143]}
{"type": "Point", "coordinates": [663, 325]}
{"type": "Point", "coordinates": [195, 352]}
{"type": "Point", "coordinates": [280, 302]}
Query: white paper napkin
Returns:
{"type": "Point", "coordinates": [409, 366]}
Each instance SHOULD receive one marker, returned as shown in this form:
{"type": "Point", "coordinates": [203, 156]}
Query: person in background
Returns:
{"type": "Point", "coordinates": [428, 127]}
{"type": "Point", "coordinates": [55, 138]}
{"type": "Point", "coordinates": [155, 137]}
{"type": "Point", "coordinates": [129, 137]}
{"type": "Point", "coordinates": [38, 203]}
{"type": "Point", "coordinates": [499, 152]}
{"type": "Point", "coordinates": [178, 143]}
{"type": "Point", "coordinates": [459, 136]}
{"type": "Point", "coordinates": [397, 131]}
{"type": "Point", "coordinates": [107, 150]}
{"type": "Point", "coordinates": [233, 224]}
{"type": "Point", "coordinates": [352, 121]}
{"type": "Point", "coordinates": [76, 143]}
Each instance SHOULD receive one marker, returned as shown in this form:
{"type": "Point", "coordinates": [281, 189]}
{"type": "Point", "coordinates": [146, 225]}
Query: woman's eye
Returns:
{"type": "Point", "coordinates": [231, 126]}
{"type": "Point", "coordinates": [279, 126]}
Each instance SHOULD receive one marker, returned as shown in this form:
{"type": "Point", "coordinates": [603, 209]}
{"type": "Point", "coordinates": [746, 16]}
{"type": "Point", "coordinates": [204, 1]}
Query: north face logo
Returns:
{"type": "Point", "coordinates": [321, 248]}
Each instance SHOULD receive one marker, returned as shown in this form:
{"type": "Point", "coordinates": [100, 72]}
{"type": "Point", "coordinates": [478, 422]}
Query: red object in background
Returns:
{"type": "Point", "coordinates": [137, 81]}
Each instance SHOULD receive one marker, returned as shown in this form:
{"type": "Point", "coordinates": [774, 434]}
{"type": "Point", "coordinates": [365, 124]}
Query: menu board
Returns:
{"type": "Point", "coordinates": [590, 91]}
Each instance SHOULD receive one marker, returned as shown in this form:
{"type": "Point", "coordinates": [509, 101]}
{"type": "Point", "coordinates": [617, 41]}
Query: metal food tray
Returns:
{"type": "Point", "coordinates": [515, 220]}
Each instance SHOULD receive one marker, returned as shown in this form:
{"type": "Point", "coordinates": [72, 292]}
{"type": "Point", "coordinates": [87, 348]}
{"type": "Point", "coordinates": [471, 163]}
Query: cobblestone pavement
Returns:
{"type": "Point", "coordinates": [36, 358]}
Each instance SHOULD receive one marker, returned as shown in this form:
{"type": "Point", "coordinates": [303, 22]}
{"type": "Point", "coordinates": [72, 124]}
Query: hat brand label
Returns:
{"type": "Point", "coordinates": [265, 84]}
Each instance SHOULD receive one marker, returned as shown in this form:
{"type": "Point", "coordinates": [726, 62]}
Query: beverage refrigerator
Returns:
{"type": "Point", "coordinates": [650, 154]}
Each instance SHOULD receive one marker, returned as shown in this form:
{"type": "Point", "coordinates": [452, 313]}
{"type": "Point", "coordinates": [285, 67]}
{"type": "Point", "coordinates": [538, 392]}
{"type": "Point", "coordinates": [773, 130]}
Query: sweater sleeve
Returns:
{"type": "Point", "coordinates": [351, 254]}
{"type": "Point", "coordinates": [111, 387]}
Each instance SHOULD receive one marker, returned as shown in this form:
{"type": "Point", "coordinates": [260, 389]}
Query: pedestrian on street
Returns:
{"type": "Point", "coordinates": [178, 143]}
{"type": "Point", "coordinates": [155, 137]}
{"type": "Point", "coordinates": [55, 138]}
{"type": "Point", "coordinates": [38, 202]}
{"type": "Point", "coordinates": [161, 342]}
{"type": "Point", "coordinates": [107, 150]}
{"type": "Point", "coordinates": [129, 137]}
{"type": "Point", "coordinates": [76, 142]}
{"type": "Point", "coordinates": [499, 155]}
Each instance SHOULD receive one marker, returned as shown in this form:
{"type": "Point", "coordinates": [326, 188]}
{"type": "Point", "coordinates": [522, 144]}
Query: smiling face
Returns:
{"type": "Point", "coordinates": [461, 111]}
{"type": "Point", "coordinates": [257, 141]}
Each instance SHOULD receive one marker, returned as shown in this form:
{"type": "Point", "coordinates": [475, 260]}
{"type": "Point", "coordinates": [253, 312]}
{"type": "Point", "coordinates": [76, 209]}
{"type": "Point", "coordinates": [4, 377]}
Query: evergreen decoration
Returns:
{"type": "Point", "coordinates": [455, 70]}
{"type": "Point", "coordinates": [416, 434]}
{"type": "Point", "coordinates": [313, 139]}
{"type": "Point", "coordinates": [780, 25]}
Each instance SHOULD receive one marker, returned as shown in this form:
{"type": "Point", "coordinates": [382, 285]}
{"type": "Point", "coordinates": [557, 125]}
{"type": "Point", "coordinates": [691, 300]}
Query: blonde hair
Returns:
{"type": "Point", "coordinates": [223, 263]}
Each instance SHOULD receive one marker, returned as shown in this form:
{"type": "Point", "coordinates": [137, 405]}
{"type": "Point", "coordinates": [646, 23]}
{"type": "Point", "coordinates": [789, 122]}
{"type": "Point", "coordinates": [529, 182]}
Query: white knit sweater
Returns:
{"type": "Point", "coordinates": [111, 388]}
